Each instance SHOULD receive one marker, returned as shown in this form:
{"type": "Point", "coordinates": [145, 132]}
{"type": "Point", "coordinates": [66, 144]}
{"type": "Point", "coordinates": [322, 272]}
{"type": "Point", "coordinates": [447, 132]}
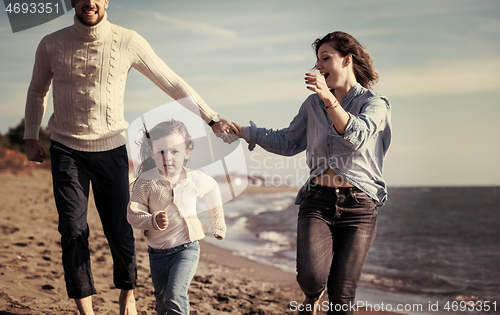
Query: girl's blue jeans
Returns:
{"type": "Point", "coordinates": [336, 228]}
{"type": "Point", "coordinates": [172, 270]}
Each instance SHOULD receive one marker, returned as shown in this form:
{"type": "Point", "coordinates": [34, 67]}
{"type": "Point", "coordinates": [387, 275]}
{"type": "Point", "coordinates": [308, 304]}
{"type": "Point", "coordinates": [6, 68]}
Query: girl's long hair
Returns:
{"type": "Point", "coordinates": [346, 44]}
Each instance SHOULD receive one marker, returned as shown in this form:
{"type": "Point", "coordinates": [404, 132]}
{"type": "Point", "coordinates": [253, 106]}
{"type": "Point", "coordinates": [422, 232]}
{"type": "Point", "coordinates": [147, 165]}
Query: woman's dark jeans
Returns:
{"type": "Point", "coordinates": [339, 223]}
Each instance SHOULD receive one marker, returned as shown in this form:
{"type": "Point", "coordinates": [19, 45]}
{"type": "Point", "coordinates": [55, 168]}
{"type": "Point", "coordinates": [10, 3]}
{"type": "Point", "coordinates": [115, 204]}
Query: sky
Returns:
{"type": "Point", "coordinates": [438, 63]}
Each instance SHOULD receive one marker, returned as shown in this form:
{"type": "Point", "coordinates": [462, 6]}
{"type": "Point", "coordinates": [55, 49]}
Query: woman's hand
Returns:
{"type": "Point", "coordinates": [338, 115]}
{"type": "Point", "coordinates": [239, 132]}
{"type": "Point", "coordinates": [318, 85]}
{"type": "Point", "coordinates": [225, 130]}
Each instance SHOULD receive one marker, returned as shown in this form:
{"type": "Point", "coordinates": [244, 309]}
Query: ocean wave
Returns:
{"type": "Point", "coordinates": [275, 242]}
{"type": "Point", "coordinates": [274, 237]}
{"type": "Point", "coordinates": [276, 205]}
{"type": "Point", "coordinates": [284, 264]}
{"type": "Point", "coordinates": [412, 283]}
{"type": "Point", "coordinates": [239, 226]}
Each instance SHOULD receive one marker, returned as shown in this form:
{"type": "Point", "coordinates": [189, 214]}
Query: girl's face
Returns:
{"type": "Point", "coordinates": [169, 154]}
{"type": "Point", "coordinates": [332, 66]}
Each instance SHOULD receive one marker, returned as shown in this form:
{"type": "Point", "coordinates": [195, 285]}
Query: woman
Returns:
{"type": "Point", "coordinates": [346, 131]}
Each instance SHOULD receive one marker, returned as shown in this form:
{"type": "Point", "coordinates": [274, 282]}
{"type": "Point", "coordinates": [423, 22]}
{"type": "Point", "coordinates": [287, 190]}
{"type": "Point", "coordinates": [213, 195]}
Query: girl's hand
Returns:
{"type": "Point", "coordinates": [162, 220]}
{"type": "Point", "coordinates": [218, 237]}
{"type": "Point", "coordinates": [318, 85]}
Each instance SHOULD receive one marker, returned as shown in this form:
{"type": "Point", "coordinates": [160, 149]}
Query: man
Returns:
{"type": "Point", "coordinates": [87, 64]}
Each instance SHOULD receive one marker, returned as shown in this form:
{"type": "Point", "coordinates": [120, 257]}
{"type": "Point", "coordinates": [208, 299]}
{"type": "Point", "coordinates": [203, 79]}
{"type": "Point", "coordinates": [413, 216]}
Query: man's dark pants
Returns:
{"type": "Point", "coordinates": [72, 173]}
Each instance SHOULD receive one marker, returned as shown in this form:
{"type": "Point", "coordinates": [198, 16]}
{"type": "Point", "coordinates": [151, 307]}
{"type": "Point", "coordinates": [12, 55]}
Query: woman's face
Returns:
{"type": "Point", "coordinates": [169, 154]}
{"type": "Point", "coordinates": [332, 66]}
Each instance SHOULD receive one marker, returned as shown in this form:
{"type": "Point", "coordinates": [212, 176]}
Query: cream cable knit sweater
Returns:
{"type": "Point", "coordinates": [88, 67]}
{"type": "Point", "coordinates": [153, 193]}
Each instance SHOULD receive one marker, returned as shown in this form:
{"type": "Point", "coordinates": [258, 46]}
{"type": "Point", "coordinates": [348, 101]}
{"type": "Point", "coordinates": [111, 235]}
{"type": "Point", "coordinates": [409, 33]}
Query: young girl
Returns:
{"type": "Point", "coordinates": [163, 206]}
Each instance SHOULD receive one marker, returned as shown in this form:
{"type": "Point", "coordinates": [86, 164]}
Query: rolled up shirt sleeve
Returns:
{"type": "Point", "coordinates": [372, 119]}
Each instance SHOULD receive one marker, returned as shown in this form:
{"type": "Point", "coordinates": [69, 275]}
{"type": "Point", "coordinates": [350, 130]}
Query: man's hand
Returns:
{"type": "Point", "coordinates": [225, 130]}
{"type": "Point", "coordinates": [162, 220]}
{"type": "Point", "coordinates": [34, 151]}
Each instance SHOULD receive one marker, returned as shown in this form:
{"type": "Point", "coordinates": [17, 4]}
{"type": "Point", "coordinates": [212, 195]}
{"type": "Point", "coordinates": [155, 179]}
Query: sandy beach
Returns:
{"type": "Point", "coordinates": [32, 279]}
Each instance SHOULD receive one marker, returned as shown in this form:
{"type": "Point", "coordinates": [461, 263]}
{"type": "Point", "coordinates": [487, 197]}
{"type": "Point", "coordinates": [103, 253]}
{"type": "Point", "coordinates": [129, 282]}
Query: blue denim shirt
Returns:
{"type": "Point", "coordinates": [357, 155]}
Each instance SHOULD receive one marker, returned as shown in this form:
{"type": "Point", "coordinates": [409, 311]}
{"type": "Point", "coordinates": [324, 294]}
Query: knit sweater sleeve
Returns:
{"type": "Point", "coordinates": [138, 212]}
{"type": "Point", "coordinates": [211, 196]}
{"type": "Point", "coordinates": [148, 63]}
{"type": "Point", "coordinates": [38, 92]}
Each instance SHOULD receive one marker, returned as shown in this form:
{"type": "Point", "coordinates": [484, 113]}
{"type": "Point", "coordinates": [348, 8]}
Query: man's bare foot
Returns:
{"type": "Point", "coordinates": [85, 305]}
{"type": "Point", "coordinates": [127, 303]}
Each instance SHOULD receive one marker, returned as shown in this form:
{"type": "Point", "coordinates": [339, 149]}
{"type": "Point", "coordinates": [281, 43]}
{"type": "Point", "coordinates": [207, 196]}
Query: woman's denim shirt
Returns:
{"type": "Point", "coordinates": [357, 155]}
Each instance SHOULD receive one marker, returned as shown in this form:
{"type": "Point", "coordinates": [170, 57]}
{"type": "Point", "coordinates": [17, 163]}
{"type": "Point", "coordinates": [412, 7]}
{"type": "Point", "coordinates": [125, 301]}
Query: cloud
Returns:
{"type": "Point", "coordinates": [257, 88]}
{"type": "Point", "coordinates": [396, 9]}
{"type": "Point", "coordinates": [491, 26]}
{"type": "Point", "coordinates": [193, 27]}
{"type": "Point", "coordinates": [223, 90]}
{"type": "Point", "coordinates": [5, 29]}
{"type": "Point", "coordinates": [13, 103]}
{"type": "Point", "coordinates": [462, 77]}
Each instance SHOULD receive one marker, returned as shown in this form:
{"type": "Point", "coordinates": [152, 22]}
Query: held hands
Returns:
{"type": "Point", "coordinates": [239, 129]}
{"type": "Point", "coordinates": [162, 220]}
{"type": "Point", "coordinates": [318, 85]}
{"type": "Point", "coordinates": [225, 130]}
{"type": "Point", "coordinates": [34, 151]}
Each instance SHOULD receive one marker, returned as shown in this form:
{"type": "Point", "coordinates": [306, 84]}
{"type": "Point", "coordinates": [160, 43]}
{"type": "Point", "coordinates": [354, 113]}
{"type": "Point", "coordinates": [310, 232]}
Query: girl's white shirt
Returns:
{"type": "Point", "coordinates": [154, 193]}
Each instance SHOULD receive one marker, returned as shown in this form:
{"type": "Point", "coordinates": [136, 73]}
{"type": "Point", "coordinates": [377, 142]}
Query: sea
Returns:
{"type": "Point", "coordinates": [437, 249]}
